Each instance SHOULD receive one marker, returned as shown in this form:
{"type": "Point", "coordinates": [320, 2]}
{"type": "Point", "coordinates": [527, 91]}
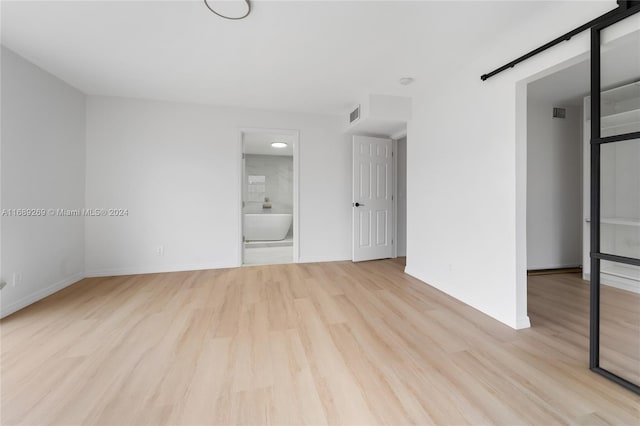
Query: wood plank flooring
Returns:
{"type": "Point", "coordinates": [331, 343]}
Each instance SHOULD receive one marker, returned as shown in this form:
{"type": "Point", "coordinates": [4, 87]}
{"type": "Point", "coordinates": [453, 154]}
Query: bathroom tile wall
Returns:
{"type": "Point", "coordinates": [277, 183]}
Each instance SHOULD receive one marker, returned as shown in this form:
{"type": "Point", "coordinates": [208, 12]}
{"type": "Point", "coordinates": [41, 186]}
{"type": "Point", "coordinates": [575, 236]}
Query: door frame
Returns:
{"type": "Point", "coordinates": [296, 187]}
{"type": "Point", "coordinates": [596, 255]}
{"type": "Point", "coordinates": [521, 96]}
{"type": "Point", "coordinates": [394, 198]}
{"type": "Point", "coordinates": [396, 138]}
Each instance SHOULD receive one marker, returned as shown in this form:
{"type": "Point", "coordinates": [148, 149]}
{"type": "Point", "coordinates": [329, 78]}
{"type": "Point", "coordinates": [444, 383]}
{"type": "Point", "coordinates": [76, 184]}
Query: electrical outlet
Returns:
{"type": "Point", "coordinates": [16, 279]}
{"type": "Point", "coordinates": [160, 251]}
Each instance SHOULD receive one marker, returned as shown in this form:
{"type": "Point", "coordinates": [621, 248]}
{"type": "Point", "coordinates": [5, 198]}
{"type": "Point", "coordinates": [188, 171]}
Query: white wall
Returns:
{"type": "Point", "coordinates": [43, 167]}
{"type": "Point", "coordinates": [554, 186]}
{"type": "Point", "coordinates": [402, 197]}
{"type": "Point", "coordinates": [466, 175]}
{"type": "Point", "coordinates": [176, 168]}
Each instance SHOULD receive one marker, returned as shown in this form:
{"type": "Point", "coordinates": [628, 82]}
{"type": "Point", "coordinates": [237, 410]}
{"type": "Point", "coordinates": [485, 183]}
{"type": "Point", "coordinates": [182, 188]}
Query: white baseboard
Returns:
{"type": "Point", "coordinates": [408, 271]}
{"type": "Point", "coordinates": [562, 266]}
{"type": "Point", "coordinates": [321, 260]}
{"type": "Point", "coordinates": [523, 322]}
{"type": "Point", "coordinates": [141, 270]}
{"type": "Point", "coordinates": [40, 294]}
{"type": "Point", "coordinates": [518, 324]}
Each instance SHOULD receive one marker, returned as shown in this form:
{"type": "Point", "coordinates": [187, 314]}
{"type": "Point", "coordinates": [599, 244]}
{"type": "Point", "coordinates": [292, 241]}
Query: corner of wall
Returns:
{"type": "Point", "coordinates": [522, 323]}
{"type": "Point", "coordinates": [515, 322]}
{"type": "Point", "coordinates": [40, 294]}
{"type": "Point", "coordinates": [49, 251]}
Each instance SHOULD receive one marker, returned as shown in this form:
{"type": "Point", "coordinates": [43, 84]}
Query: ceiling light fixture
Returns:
{"type": "Point", "coordinates": [405, 81]}
{"type": "Point", "coordinates": [279, 144]}
{"type": "Point", "coordinates": [234, 13]}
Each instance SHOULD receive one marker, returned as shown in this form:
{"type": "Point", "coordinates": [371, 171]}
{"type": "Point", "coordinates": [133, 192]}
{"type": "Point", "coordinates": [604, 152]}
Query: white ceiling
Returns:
{"type": "Point", "coordinates": [260, 143]}
{"type": "Point", "coordinates": [313, 56]}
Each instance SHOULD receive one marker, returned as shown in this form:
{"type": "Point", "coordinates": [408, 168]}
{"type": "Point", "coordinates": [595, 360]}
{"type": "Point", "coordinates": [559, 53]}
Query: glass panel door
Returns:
{"type": "Point", "coordinates": [620, 236]}
{"type": "Point", "coordinates": [615, 199]}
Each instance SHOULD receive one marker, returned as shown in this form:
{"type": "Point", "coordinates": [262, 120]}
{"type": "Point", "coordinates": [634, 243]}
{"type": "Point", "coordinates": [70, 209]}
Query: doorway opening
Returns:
{"type": "Point", "coordinates": [555, 163]}
{"type": "Point", "coordinates": [559, 112]}
{"type": "Point", "coordinates": [269, 197]}
{"type": "Point", "coordinates": [556, 187]}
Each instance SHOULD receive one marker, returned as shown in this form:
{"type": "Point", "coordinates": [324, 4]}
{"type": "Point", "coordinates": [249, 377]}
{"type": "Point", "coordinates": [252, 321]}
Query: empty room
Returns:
{"type": "Point", "coordinates": [223, 212]}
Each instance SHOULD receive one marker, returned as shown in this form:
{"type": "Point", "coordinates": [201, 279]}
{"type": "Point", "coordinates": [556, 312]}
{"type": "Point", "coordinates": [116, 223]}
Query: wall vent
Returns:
{"type": "Point", "coordinates": [559, 113]}
{"type": "Point", "coordinates": [354, 115]}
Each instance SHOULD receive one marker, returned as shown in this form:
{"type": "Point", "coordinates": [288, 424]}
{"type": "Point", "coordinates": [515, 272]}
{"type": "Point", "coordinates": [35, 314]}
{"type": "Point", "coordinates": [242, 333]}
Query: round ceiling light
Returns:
{"type": "Point", "coordinates": [279, 144]}
{"type": "Point", "coordinates": [405, 81]}
{"type": "Point", "coordinates": [228, 9]}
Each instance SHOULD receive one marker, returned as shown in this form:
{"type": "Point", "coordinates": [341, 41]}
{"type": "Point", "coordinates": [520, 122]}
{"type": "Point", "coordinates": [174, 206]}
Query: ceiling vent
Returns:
{"type": "Point", "coordinates": [354, 115]}
{"type": "Point", "coordinates": [378, 115]}
{"type": "Point", "coordinates": [559, 113]}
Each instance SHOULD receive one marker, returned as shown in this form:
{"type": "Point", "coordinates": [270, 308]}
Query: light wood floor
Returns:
{"type": "Point", "coordinates": [336, 343]}
{"type": "Point", "coordinates": [620, 332]}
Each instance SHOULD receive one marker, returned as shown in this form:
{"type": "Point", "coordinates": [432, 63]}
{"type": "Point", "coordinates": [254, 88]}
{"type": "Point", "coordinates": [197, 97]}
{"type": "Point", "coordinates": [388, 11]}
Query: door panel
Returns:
{"type": "Point", "coordinates": [365, 223]}
{"type": "Point", "coordinates": [372, 198]}
{"type": "Point", "coordinates": [615, 200]}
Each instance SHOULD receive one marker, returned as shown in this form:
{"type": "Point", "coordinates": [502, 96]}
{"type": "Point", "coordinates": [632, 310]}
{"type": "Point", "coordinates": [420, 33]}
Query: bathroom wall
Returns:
{"type": "Point", "coordinates": [278, 185]}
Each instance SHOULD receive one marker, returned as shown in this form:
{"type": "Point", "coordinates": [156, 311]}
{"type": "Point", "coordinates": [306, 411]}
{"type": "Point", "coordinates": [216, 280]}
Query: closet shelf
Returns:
{"type": "Point", "coordinates": [620, 111]}
{"type": "Point", "coordinates": [619, 95]}
{"type": "Point", "coordinates": [620, 119]}
{"type": "Point", "coordinates": [623, 93]}
{"type": "Point", "coordinates": [617, 221]}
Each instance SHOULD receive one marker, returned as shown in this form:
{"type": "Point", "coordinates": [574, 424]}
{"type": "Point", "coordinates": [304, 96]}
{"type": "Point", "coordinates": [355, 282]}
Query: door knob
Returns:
{"type": "Point", "coordinates": [358, 204]}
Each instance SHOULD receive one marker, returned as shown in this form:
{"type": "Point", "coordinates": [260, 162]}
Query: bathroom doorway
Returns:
{"type": "Point", "coordinates": [269, 193]}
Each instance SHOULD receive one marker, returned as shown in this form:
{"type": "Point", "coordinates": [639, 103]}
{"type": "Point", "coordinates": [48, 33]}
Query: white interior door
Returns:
{"type": "Point", "coordinates": [372, 198]}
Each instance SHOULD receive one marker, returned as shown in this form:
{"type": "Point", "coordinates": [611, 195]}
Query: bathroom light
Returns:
{"type": "Point", "coordinates": [279, 144]}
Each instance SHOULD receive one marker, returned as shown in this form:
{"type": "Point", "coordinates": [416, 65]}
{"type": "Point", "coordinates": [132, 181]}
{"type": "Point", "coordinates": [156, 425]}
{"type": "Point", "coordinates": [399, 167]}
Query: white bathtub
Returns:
{"type": "Point", "coordinates": [267, 226]}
